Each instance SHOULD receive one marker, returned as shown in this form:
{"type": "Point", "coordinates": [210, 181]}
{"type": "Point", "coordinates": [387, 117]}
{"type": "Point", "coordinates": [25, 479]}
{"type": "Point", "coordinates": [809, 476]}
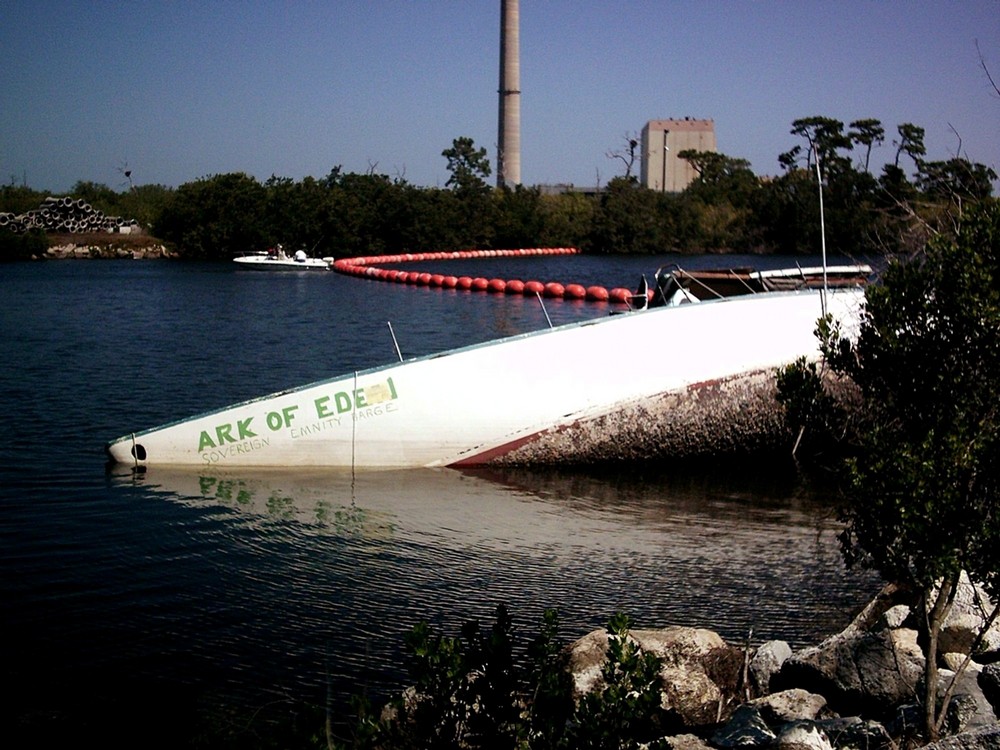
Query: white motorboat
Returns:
{"type": "Point", "coordinates": [277, 259]}
{"type": "Point", "coordinates": [672, 379]}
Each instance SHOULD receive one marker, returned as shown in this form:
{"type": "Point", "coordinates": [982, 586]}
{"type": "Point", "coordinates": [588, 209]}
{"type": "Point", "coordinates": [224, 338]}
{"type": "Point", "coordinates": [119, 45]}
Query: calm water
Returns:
{"type": "Point", "coordinates": [171, 605]}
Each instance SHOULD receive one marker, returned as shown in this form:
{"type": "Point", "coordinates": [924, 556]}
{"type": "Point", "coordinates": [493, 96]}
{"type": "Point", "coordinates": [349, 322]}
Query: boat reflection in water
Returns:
{"type": "Point", "coordinates": [729, 555]}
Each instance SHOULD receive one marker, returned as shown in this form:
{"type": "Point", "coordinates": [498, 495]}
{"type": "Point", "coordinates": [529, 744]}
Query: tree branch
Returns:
{"type": "Point", "coordinates": [986, 70]}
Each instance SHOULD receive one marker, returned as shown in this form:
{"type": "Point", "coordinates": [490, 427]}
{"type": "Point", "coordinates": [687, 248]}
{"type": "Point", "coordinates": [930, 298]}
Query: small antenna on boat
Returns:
{"type": "Point", "coordinates": [354, 443]}
{"type": "Point", "coordinates": [822, 228]}
{"type": "Point", "coordinates": [542, 304]}
{"type": "Point", "coordinates": [394, 342]}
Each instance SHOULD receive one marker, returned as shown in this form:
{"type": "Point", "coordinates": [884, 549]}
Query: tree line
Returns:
{"type": "Point", "coordinates": [727, 208]}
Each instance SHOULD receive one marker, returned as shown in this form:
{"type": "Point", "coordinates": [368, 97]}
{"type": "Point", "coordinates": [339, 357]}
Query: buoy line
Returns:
{"type": "Point", "coordinates": [371, 267]}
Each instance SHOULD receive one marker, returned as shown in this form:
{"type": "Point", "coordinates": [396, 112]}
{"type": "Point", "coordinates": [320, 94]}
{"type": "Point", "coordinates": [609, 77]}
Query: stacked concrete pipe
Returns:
{"type": "Point", "coordinates": [67, 215]}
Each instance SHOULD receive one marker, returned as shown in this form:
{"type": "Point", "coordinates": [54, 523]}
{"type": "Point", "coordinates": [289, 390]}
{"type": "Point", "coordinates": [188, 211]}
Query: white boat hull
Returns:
{"type": "Point", "coordinates": [282, 263]}
{"type": "Point", "coordinates": [536, 397]}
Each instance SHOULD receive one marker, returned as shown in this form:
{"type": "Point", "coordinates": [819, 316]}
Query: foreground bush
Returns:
{"type": "Point", "coordinates": [473, 692]}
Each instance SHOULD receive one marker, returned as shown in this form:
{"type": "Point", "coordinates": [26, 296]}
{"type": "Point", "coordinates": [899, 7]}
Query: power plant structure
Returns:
{"type": "Point", "coordinates": [662, 140]}
{"type": "Point", "coordinates": [509, 130]}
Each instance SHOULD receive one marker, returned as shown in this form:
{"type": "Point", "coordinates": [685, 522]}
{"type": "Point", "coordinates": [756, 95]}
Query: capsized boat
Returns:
{"type": "Point", "coordinates": [672, 378]}
{"type": "Point", "coordinates": [277, 259]}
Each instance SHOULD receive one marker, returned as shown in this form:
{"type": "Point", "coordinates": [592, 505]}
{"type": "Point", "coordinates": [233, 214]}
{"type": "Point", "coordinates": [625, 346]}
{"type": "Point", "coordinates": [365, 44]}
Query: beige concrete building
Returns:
{"type": "Point", "coordinates": [662, 140]}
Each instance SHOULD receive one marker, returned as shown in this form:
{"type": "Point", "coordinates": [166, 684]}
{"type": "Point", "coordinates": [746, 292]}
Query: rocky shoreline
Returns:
{"type": "Point", "coordinates": [856, 689]}
{"type": "Point", "coordinates": [118, 249]}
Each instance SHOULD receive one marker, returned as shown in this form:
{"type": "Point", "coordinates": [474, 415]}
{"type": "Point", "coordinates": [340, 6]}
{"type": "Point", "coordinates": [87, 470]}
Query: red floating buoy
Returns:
{"type": "Point", "coordinates": [554, 289]}
{"type": "Point", "coordinates": [533, 287]}
{"type": "Point", "coordinates": [373, 267]}
{"type": "Point", "coordinates": [597, 293]}
{"type": "Point", "coordinates": [514, 286]}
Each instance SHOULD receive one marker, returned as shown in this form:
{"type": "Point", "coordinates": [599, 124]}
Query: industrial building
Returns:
{"type": "Point", "coordinates": [662, 141]}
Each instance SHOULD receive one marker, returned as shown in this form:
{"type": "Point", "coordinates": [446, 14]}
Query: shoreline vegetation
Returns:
{"type": "Point", "coordinates": [728, 208]}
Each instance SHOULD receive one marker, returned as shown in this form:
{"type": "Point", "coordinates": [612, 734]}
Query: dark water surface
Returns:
{"type": "Point", "coordinates": [174, 605]}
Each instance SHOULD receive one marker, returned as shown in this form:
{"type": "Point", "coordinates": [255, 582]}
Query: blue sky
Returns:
{"type": "Point", "coordinates": [182, 90]}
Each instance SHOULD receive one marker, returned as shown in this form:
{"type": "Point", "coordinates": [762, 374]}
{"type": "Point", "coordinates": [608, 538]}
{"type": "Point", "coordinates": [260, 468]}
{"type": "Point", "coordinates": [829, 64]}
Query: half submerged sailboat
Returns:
{"type": "Point", "coordinates": [691, 372]}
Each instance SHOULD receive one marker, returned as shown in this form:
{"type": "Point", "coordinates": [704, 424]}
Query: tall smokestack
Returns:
{"type": "Point", "coordinates": [509, 146]}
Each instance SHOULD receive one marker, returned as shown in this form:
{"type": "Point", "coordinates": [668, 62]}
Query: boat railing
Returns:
{"type": "Point", "coordinates": [675, 285]}
{"type": "Point", "coordinates": [673, 278]}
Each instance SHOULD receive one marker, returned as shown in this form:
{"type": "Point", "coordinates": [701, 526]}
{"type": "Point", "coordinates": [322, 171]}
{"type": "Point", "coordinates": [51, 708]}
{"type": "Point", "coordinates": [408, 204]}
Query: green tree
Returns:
{"type": "Point", "coordinates": [867, 133]}
{"type": "Point", "coordinates": [18, 199]}
{"type": "Point", "coordinates": [856, 221]}
{"type": "Point", "coordinates": [896, 186]}
{"type": "Point", "coordinates": [144, 203]}
{"type": "Point", "coordinates": [437, 221]}
{"type": "Point", "coordinates": [519, 220]}
{"type": "Point", "coordinates": [469, 169]}
{"type": "Point", "coordinates": [955, 179]}
{"type": "Point", "coordinates": [567, 220]}
{"type": "Point", "coordinates": [216, 217]}
{"type": "Point", "coordinates": [788, 212]}
{"type": "Point", "coordinates": [371, 214]}
{"type": "Point", "coordinates": [721, 177]}
{"type": "Point", "coordinates": [294, 214]}
{"type": "Point", "coordinates": [922, 503]}
{"type": "Point", "coordinates": [629, 219]}
{"type": "Point", "coordinates": [359, 212]}
{"type": "Point", "coordinates": [97, 195]}
{"type": "Point", "coordinates": [911, 143]}
{"type": "Point", "coordinates": [824, 137]}
{"type": "Point", "coordinates": [23, 245]}
{"type": "Point", "coordinates": [718, 204]}
{"type": "Point", "coordinates": [469, 166]}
